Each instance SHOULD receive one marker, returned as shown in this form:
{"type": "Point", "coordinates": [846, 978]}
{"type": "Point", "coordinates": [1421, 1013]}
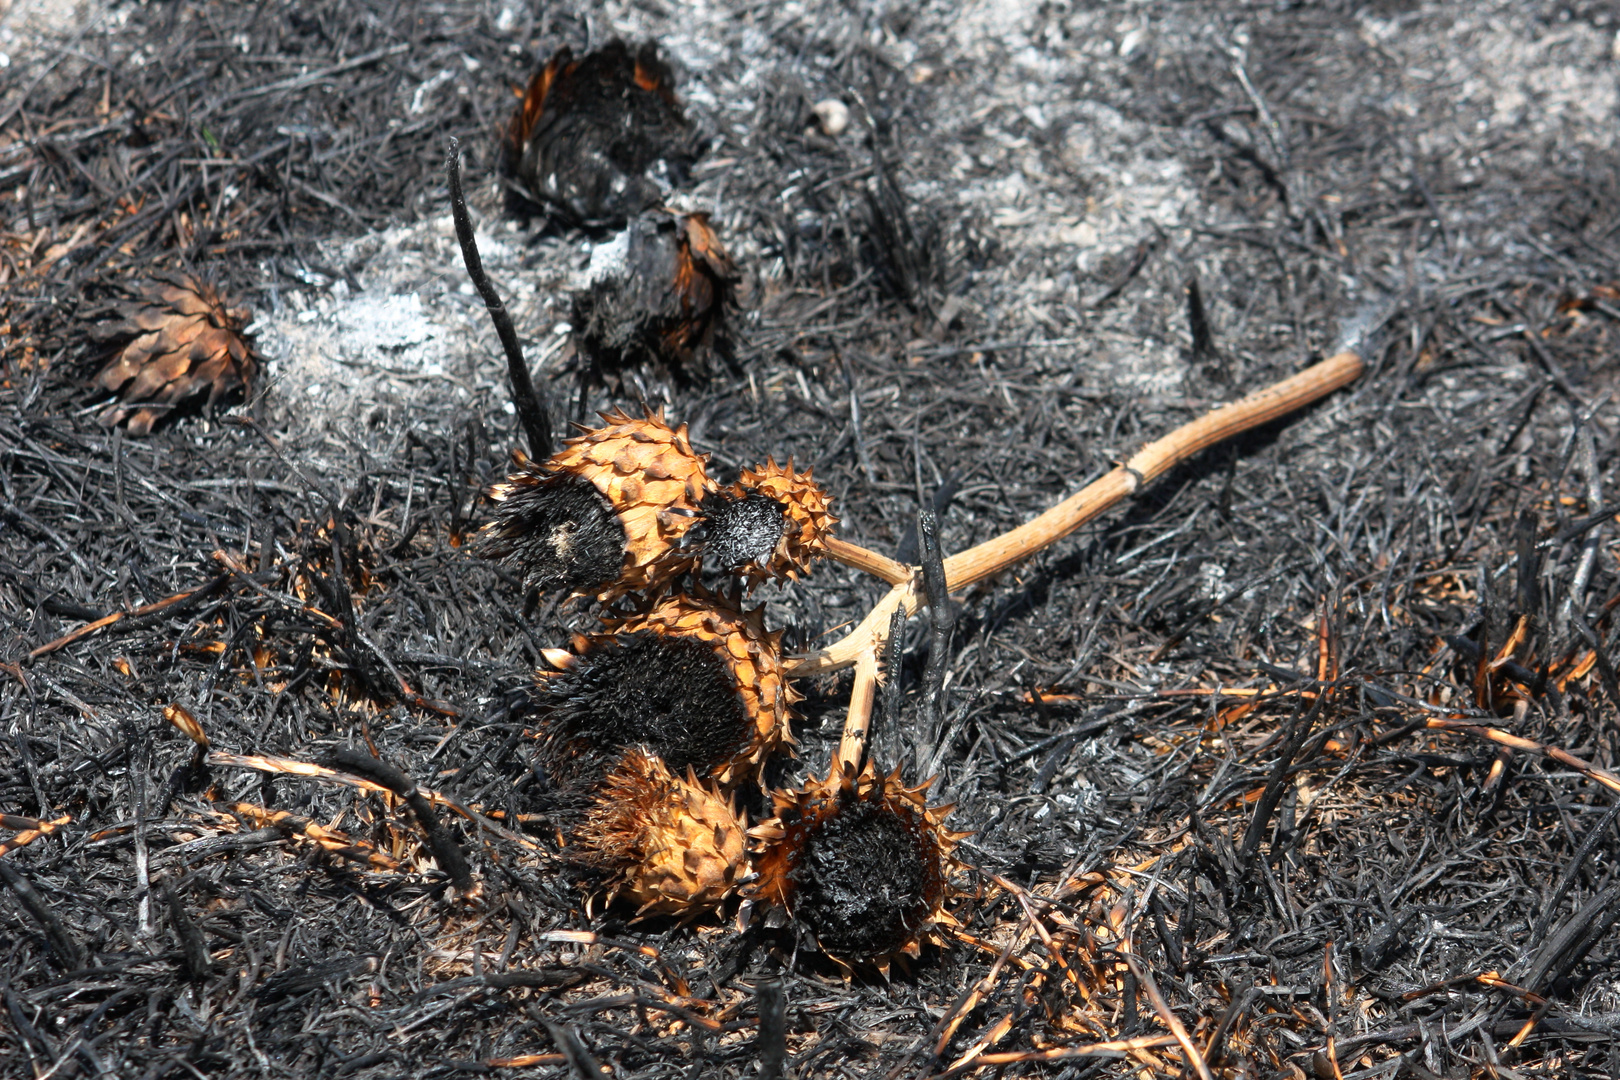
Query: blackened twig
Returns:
{"type": "Point", "coordinates": [1203, 340]}
{"type": "Point", "coordinates": [1570, 944]}
{"type": "Point", "coordinates": [63, 946]}
{"type": "Point", "coordinates": [942, 618]}
{"type": "Point", "coordinates": [193, 947]}
{"type": "Point", "coordinates": [1274, 788]}
{"type": "Point", "coordinates": [1171, 1021]}
{"type": "Point", "coordinates": [532, 411]}
{"type": "Point", "coordinates": [770, 1045]}
{"type": "Point", "coordinates": [444, 847]}
{"type": "Point", "coordinates": [573, 1048]}
{"type": "Point", "coordinates": [1568, 877]}
{"type": "Point", "coordinates": [888, 721]}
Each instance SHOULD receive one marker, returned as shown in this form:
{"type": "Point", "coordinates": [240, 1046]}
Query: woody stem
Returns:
{"type": "Point", "coordinates": [1152, 461]}
{"type": "Point", "coordinates": [868, 561]}
{"type": "Point", "coordinates": [858, 722]}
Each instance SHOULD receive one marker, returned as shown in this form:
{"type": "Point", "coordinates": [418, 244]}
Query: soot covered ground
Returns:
{"type": "Point", "coordinates": [1302, 749]}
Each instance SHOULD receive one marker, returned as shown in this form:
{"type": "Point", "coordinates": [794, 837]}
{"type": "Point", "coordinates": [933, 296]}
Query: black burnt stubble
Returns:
{"type": "Point", "coordinates": [860, 881]}
{"type": "Point", "coordinates": [561, 533]}
{"type": "Point", "coordinates": [673, 695]}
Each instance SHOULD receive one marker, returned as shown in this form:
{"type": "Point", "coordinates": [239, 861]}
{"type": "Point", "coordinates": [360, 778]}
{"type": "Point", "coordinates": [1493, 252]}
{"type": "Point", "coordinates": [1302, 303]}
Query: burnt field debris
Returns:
{"type": "Point", "coordinates": [1300, 762]}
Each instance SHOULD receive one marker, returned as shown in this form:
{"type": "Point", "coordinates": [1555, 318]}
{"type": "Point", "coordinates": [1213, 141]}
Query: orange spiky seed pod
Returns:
{"type": "Point", "coordinates": [771, 523]}
{"type": "Point", "coordinates": [600, 138]}
{"type": "Point", "coordinates": [657, 293]}
{"type": "Point", "coordinates": [863, 862]}
{"type": "Point", "coordinates": [696, 682]}
{"type": "Point", "coordinates": [670, 846]}
{"type": "Point", "coordinates": [752, 656]}
{"type": "Point", "coordinates": [605, 514]}
{"type": "Point", "coordinates": [178, 340]}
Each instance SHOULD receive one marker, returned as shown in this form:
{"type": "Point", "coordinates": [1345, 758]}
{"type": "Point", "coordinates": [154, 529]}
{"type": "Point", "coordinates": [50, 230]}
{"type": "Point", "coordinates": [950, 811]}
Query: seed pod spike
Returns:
{"type": "Point", "coordinates": [772, 523]}
{"type": "Point", "coordinates": [691, 677]}
{"type": "Point", "coordinates": [598, 138]}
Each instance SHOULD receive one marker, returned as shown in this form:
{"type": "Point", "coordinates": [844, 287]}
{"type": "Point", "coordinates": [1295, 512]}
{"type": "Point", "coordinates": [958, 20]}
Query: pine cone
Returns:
{"type": "Point", "coordinates": [175, 342]}
{"type": "Point", "coordinates": [693, 679]}
{"type": "Point", "coordinates": [657, 294]}
{"type": "Point", "coordinates": [770, 523]}
{"type": "Point", "coordinates": [604, 515]}
{"type": "Point", "coordinates": [862, 861]}
{"type": "Point", "coordinates": [671, 846]}
{"type": "Point", "coordinates": [601, 138]}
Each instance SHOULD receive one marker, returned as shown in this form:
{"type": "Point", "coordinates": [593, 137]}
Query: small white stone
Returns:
{"type": "Point", "coordinates": [832, 115]}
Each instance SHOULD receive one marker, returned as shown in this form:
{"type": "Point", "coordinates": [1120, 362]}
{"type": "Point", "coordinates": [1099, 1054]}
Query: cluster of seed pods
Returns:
{"type": "Point", "coordinates": [653, 725]}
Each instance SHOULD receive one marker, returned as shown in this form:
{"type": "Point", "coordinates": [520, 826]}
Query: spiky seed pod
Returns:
{"type": "Point", "coordinates": [863, 862]}
{"type": "Point", "coordinates": [605, 514]}
{"type": "Point", "coordinates": [600, 138]}
{"type": "Point", "coordinates": [179, 339]}
{"type": "Point", "coordinates": [656, 293]}
{"type": "Point", "coordinates": [696, 682]}
{"type": "Point", "coordinates": [669, 845]}
{"type": "Point", "coordinates": [771, 523]}
{"type": "Point", "coordinates": [752, 656]}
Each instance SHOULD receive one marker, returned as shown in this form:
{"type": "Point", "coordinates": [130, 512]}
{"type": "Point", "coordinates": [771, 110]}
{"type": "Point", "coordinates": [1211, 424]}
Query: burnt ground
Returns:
{"type": "Point", "coordinates": [1201, 734]}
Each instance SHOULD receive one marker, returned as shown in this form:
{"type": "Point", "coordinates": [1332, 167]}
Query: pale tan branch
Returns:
{"type": "Point", "coordinates": [858, 721]}
{"type": "Point", "coordinates": [1153, 460]}
{"type": "Point", "coordinates": [868, 561]}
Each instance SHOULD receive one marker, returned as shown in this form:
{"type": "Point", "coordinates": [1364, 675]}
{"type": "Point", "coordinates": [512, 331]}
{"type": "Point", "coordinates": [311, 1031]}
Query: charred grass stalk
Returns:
{"type": "Point", "coordinates": [445, 850]}
{"type": "Point", "coordinates": [532, 410]}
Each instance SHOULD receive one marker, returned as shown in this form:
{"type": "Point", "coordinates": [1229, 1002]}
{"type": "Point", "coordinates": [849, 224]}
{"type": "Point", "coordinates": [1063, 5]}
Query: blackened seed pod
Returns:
{"type": "Point", "coordinates": [669, 845]}
{"type": "Point", "coordinates": [604, 515]}
{"type": "Point", "coordinates": [770, 524]}
{"type": "Point", "coordinates": [863, 862]}
{"type": "Point", "coordinates": [599, 138]}
{"type": "Point", "coordinates": [694, 679]}
{"type": "Point", "coordinates": [657, 294]}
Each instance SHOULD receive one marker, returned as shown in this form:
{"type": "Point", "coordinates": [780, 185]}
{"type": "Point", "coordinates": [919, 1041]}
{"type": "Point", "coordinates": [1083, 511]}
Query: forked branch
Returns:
{"type": "Point", "coordinates": [997, 554]}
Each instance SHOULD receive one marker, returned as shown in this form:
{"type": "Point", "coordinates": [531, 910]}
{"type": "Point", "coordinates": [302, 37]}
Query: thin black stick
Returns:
{"type": "Point", "coordinates": [1568, 877]}
{"type": "Point", "coordinates": [62, 943]}
{"type": "Point", "coordinates": [1203, 339]}
{"type": "Point", "coordinates": [770, 1045]}
{"type": "Point", "coordinates": [886, 725]}
{"type": "Point", "coordinates": [532, 411]}
{"type": "Point", "coordinates": [942, 618]}
{"type": "Point", "coordinates": [446, 852]}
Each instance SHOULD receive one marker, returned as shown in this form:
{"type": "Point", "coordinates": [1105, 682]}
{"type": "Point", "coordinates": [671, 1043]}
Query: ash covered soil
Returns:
{"type": "Point", "coordinates": [1305, 748]}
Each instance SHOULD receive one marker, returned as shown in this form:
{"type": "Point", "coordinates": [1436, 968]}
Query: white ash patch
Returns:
{"type": "Point", "coordinates": [415, 337]}
{"type": "Point", "coordinates": [1507, 69]}
{"type": "Point", "coordinates": [609, 259]}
